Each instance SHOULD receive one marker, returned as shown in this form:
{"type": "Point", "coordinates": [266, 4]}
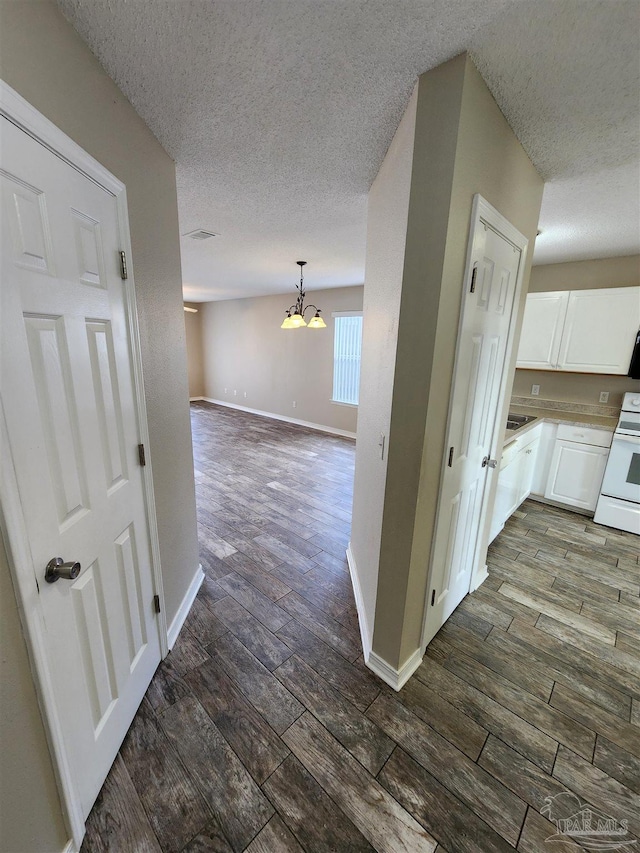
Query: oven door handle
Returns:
{"type": "Point", "coordinates": [632, 439]}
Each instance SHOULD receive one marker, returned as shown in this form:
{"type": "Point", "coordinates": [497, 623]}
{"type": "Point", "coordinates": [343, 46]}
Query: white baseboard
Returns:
{"type": "Point", "coordinates": [195, 399]}
{"type": "Point", "coordinates": [479, 578]}
{"type": "Point", "coordinates": [70, 847]}
{"type": "Point", "coordinates": [395, 678]}
{"type": "Point", "coordinates": [308, 424]}
{"type": "Point", "coordinates": [365, 634]}
{"type": "Point", "coordinates": [183, 611]}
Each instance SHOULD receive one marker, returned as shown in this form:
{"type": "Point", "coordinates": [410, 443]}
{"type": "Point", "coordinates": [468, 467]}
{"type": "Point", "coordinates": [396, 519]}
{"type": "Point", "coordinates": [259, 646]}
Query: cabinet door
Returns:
{"type": "Point", "coordinates": [544, 455]}
{"type": "Point", "coordinates": [528, 457]}
{"type": "Point", "coordinates": [506, 491]}
{"type": "Point", "coordinates": [600, 330]}
{"type": "Point", "coordinates": [544, 316]}
{"type": "Point", "coordinates": [576, 474]}
{"type": "Point", "coordinates": [514, 482]}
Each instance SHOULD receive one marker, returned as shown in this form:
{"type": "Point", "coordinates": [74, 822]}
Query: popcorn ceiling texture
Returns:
{"type": "Point", "coordinates": [566, 74]}
{"type": "Point", "coordinates": [278, 114]}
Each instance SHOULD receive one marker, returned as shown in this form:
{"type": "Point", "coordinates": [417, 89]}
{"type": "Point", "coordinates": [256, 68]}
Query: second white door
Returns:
{"type": "Point", "coordinates": [473, 431]}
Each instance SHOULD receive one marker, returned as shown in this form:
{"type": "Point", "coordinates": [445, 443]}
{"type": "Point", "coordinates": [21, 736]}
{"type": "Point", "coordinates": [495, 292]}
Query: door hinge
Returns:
{"type": "Point", "coordinates": [450, 462]}
{"type": "Point", "coordinates": [141, 456]}
{"type": "Point", "coordinates": [433, 597]}
{"type": "Point", "coordinates": [473, 278]}
{"type": "Point", "coordinates": [156, 603]}
{"type": "Point", "coordinates": [123, 266]}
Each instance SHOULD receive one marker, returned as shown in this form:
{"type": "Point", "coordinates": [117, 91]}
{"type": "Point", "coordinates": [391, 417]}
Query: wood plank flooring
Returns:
{"type": "Point", "coordinates": [264, 732]}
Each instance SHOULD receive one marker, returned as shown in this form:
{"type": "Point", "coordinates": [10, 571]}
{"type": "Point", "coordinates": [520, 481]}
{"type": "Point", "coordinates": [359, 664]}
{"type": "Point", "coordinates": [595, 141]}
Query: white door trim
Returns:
{"type": "Point", "coordinates": [483, 211]}
{"type": "Point", "coordinates": [24, 116]}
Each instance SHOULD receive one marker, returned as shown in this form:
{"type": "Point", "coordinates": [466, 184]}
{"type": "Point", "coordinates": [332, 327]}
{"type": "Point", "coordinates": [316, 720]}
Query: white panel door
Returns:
{"type": "Point", "coordinates": [576, 474]}
{"type": "Point", "coordinates": [68, 398]}
{"type": "Point", "coordinates": [544, 318]}
{"type": "Point", "coordinates": [600, 330]}
{"type": "Point", "coordinates": [478, 381]}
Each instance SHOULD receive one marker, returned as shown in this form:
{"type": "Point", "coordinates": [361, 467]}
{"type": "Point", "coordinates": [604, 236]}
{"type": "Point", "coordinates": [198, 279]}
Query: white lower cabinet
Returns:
{"type": "Point", "coordinates": [515, 479]}
{"type": "Point", "coordinates": [577, 465]}
{"type": "Point", "coordinates": [576, 474]}
{"type": "Point", "coordinates": [559, 462]}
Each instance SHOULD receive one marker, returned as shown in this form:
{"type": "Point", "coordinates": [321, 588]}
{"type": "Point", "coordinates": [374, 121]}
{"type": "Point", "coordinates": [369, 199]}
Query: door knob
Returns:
{"type": "Point", "coordinates": [489, 463]}
{"type": "Point", "coordinates": [57, 568]}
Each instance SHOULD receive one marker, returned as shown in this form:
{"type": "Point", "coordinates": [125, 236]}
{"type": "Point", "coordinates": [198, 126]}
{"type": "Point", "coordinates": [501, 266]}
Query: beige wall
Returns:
{"type": "Point", "coordinates": [42, 57]}
{"type": "Point", "coordinates": [30, 812]}
{"type": "Point", "coordinates": [579, 275]}
{"type": "Point", "coordinates": [246, 351]}
{"type": "Point", "coordinates": [573, 387]}
{"type": "Point", "coordinates": [195, 363]}
{"type": "Point", "coordinates": [586, 275]}
{"type": "Point", "coordinates": [462, 146]}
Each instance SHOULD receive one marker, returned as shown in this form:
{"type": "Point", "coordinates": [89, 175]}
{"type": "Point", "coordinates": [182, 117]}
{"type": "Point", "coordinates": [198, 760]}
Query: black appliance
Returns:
{"type": "Point", "coordinates": [634, 367]}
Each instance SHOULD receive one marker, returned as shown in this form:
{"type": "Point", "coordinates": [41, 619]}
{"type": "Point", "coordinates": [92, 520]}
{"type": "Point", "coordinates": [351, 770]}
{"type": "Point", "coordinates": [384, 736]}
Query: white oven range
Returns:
{"type": "Point", "coordinates": [619, 502]}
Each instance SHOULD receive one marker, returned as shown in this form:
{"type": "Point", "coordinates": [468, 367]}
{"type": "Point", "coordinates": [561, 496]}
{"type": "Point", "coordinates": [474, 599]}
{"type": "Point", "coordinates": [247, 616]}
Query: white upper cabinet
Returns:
{"type": "Point", "coordinates": [544, 317]}
{"type": "Point", "coordinates": [582, 331]}
{"type": "Point", "coordinates": [600, 330]}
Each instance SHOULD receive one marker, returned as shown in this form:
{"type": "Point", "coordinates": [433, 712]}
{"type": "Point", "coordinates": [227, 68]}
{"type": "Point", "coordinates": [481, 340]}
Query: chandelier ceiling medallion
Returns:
{"type": "Point", "coordinates": [296, 319]}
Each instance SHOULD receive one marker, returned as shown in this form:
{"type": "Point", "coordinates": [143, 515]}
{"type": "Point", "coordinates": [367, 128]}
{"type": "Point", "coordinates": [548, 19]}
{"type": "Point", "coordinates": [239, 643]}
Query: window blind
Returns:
{"type": "Point", "coordinates": [347, 346]}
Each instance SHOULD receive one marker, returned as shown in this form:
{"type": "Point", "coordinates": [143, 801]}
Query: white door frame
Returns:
{"type": "Point", "coordinates": [23, 115]}
{"type": "Point", "coordinates": [482, 211]}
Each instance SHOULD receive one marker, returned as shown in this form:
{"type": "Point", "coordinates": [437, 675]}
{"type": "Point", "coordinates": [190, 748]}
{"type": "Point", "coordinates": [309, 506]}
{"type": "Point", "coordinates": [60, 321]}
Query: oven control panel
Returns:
{"type": "Point", "coordinates": [631, 402]}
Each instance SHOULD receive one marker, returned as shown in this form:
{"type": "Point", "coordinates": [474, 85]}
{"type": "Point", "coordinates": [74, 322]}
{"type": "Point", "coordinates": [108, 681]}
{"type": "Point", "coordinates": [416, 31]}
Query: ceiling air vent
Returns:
{"type": "Point", "coordinates": [200, 234]}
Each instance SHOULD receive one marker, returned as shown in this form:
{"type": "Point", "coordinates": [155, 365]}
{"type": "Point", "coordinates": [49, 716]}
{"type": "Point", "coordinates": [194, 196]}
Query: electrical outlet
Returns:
{"type": "Point", "coordinates": [244, 394]}
{"type": "Point", "coordinates": [226, 390]}
{"type": "Point", "coordinates": [535, 390]}
{"type": "Point", "coordinates": [604, 397]}
{"type": "Point", "coordinates": [235, 393]}
{"type": "Point", "coordinates": [294, 404]}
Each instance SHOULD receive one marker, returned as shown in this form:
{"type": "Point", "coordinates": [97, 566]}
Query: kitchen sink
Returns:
{"type": "Point", "coordinates": [516, 421]}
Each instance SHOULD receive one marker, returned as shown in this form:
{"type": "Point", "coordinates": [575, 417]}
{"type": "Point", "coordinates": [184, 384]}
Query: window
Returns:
{"type": "Point", "coordinates": [347, 345]}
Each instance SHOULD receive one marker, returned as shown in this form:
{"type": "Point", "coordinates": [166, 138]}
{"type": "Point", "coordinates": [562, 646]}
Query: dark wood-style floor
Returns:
{"type": "Point", "coordinates": [263, 730]}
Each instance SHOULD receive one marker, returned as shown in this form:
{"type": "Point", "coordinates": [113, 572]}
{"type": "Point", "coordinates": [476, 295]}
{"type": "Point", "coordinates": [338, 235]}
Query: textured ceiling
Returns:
{"type": "Point", "coordinates": [278, 114]}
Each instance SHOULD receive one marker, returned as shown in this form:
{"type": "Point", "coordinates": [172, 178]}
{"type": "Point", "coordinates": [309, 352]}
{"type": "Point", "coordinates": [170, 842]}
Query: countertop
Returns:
{"type": "Point", "coordinates": [557, 416]}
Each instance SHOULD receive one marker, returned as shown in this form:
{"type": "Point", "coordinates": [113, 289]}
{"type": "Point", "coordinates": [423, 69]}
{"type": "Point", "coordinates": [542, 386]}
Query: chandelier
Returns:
{"type": "Point", "coordinates": [296, 319]}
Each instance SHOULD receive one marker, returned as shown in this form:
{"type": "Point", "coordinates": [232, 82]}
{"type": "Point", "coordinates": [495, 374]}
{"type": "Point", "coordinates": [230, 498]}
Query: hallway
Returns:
{"type": "Point", "coordinates": [263, 730]}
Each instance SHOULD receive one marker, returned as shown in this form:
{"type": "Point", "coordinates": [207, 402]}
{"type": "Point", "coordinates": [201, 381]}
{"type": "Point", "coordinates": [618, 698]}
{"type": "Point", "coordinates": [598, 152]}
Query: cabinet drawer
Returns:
{"type": "Point", "coordinates": [509, 453]}
{"type": "Point", "coordinates": [519, 443]}
{"type": "Point", "coordinates": [585, 435]}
